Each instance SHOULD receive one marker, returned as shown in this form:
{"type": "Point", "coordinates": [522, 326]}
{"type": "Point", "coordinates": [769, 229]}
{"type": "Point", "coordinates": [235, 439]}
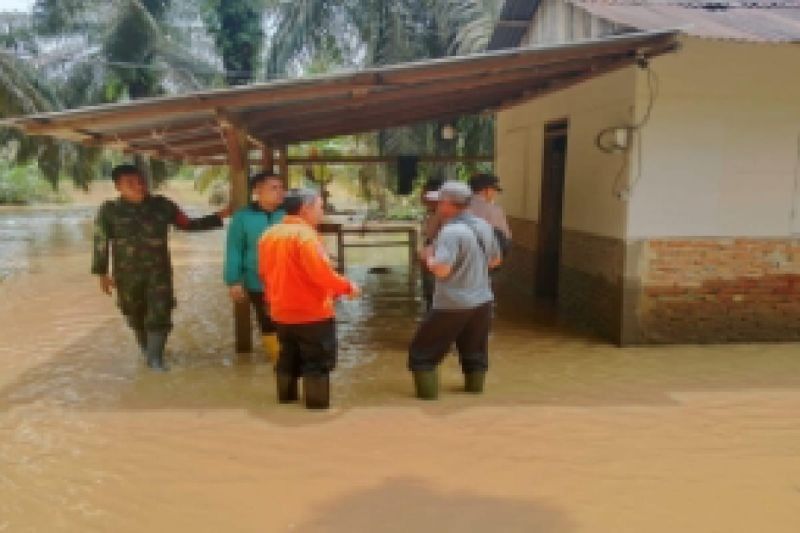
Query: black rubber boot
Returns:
{"type": "Point", "coordinates": [473, 381]}
{"type": "Point", "coordinates": [156, 342]}
{"type": "Point", "coordinates": [426, 384]}
{"type": "Point", "coordinates": [317, 392]}
{"type": "Point", "coordinates": [141, 340]}
{"type": "Point", "coordinates": [287, 388]}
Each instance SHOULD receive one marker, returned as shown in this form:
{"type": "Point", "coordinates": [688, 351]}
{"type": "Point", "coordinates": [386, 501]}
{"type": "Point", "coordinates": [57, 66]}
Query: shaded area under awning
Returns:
{"type": "Point", "coordinates": [191, 127]}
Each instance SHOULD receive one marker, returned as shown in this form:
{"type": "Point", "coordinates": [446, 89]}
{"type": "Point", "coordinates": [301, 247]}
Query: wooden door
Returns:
{"type": "Point", "coordinates": [551, 206]}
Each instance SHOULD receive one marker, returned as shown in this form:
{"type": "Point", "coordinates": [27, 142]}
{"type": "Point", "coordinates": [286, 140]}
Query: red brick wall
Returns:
{"type": "Point", "coordinates": [716, 290]}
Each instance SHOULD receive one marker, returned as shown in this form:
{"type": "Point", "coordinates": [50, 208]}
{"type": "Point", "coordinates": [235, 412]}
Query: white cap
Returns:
{"type": "Point", "coordinates": [452, 191]}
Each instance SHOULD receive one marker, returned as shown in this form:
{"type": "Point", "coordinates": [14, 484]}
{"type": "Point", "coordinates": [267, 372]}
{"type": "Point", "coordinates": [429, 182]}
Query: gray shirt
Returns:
{"type": "Point", "coordinates": [468, 285]}
{"type": "Point", "coordinates": [491, 213]}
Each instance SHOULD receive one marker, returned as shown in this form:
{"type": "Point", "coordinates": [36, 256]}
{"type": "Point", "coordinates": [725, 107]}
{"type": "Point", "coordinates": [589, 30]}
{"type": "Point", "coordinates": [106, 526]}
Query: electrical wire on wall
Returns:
{"type": "Point", "coordinates": [793, 211]}
{"type": "Point", "coordinates": [620, 139]}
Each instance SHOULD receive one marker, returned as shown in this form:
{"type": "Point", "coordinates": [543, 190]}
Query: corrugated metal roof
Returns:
{"type": "Point", "coordinates": [751, 20]}
{"type": "Point", "coordinates": [191, 127]}
{"type": "Point", "coordinates": [746, 20]}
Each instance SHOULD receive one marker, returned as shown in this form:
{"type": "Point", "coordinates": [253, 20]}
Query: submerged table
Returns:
{"type": "Point", "coordinates": [340, 231]}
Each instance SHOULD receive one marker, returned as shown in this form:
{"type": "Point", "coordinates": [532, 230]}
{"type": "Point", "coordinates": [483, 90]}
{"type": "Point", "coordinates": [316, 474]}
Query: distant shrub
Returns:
{"type": "Point", "coordinates": [24, 184]}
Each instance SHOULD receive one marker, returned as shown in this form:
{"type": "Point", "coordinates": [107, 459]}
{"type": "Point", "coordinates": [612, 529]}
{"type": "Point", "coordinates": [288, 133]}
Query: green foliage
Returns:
{"type": "Point", "coordinates": [24, 184]}
{"type": "Point", "coordinates": [54, 17]}
{"type": "Point", "coordinates": [238, 36]}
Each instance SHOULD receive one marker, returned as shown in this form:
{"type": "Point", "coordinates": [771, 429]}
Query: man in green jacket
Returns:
{"type": "Point", "coordinates": [135, 227]}
{"type": "Point", "coordinates": [241, 257]}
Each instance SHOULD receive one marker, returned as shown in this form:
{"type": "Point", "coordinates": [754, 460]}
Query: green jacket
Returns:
{"type": "Point", "coordinates": [137, 235]}
{"type": "Point", "coordinates": [241, 250]}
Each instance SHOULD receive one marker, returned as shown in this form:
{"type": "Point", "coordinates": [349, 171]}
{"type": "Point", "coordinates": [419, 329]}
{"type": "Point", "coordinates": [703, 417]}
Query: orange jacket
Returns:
{"type": "Point", "coordinates": [299, 282]}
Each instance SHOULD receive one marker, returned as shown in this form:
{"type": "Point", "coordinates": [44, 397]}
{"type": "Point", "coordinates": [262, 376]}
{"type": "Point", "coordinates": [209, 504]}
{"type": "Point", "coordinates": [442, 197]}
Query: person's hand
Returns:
{"type": "Point", "coordinates": [425, 254]}
{"type": "Point", "coordinates": [355, 291]}
{"type": "Point", "coordinates": [107, 284]}
{"type": "Point", "coordinates": [237, 293]}
{"type": "Point", "coordinates": [225, 212]}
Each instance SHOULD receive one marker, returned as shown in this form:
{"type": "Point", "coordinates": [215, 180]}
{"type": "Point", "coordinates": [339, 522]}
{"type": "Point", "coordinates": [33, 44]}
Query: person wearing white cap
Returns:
{"type": "Point", "coordinates": [463, 253]}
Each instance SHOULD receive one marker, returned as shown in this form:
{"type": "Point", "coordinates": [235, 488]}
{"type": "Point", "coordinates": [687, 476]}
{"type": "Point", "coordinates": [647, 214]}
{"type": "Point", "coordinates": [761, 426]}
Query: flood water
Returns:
{"type": "Point", "coordinates": [572, 434]}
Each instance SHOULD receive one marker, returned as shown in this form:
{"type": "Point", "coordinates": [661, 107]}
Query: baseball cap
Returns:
{"type": "Point", "coordinates": [481, 182]}
{"type": "Point", "coordinates": [452, 191]}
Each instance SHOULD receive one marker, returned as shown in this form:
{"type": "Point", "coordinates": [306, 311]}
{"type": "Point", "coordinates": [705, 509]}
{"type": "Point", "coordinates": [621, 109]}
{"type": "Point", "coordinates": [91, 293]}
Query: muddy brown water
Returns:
{"type": "Point", "coordinates": [572, 434]}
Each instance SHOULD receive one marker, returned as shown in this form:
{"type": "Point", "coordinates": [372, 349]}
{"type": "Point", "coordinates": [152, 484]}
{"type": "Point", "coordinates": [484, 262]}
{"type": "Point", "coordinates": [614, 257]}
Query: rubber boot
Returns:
{"type": "Point", "coordinates": [272, 347]}
{"type": "Point", "coordinates": [287, 388]}
{"type": "Point", "coordinates": [473, 381]}
{"type": "Point", "coordinates": [141, 340]}
{"type": "Point", "coordinates": [317, 392]}
{"type": "Point", "coordinates": [426, 383]}
{"type": "Point", "coordinates": [156, 341]}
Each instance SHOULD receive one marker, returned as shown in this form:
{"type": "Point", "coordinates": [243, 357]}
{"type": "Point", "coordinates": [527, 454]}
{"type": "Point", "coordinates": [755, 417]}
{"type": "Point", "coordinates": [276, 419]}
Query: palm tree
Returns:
{"type": "Point", "coordinates": [109, 51]}
{"type": "Point", "coordinates": [381, 32]}
{"type": "Point", "coordinates": [238, 36]}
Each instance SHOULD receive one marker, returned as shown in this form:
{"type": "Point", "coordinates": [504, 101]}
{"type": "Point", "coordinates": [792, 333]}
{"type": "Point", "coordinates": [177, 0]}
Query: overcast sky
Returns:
{"type": "Point", "coordinates": [16, 5]}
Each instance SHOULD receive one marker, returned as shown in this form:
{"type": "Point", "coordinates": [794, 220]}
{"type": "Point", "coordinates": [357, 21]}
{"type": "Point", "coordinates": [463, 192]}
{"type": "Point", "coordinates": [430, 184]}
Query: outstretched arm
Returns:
{"type": "Point", "coordinates": [184, 222]}
{"type": "Point", "coordinates": [319, 269]}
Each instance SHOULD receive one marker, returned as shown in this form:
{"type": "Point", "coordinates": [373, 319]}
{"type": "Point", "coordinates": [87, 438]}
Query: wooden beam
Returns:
{"type": "Point", "coordinates": [236, 144]}
{"type": "Point", "coordinates": [377, 159]}
{"type": "Point", "coordinates": [156, 131]}
{"type": "Point", "coordinates": [283, 163]}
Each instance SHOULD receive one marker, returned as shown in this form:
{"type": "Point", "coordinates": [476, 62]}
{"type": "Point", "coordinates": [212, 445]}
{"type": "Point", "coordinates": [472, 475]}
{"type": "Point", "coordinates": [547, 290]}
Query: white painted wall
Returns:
{"type": "Point", "coordinates": [590, 204]}
{"type": "Point", "coordinates": [721, 154]}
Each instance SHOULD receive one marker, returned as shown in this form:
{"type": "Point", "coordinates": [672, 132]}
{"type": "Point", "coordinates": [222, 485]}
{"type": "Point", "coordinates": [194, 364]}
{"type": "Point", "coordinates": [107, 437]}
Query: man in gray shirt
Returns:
{"type": "Point", "coordinates": [460, 258]}
{"type": "Point", "coordinates": [485, 188]}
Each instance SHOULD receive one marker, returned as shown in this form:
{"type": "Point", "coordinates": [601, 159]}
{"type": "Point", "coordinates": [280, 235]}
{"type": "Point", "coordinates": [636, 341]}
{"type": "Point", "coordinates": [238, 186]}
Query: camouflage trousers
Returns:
{"type": "Point", "coordinates": [147, 300]}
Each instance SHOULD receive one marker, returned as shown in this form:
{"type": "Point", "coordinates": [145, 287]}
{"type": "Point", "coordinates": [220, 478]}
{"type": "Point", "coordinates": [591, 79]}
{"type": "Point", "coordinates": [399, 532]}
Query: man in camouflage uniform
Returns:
{"type": "Point", "coordinates": [135, 227]}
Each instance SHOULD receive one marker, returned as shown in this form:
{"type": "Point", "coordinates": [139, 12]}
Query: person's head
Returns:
{"type": "Point", "coordinates": [486, 185]}
{"type": "Point", "coordinates": [452, 198]}
{"type": "Point", "coordinates": [304, 203]}
{"type": "Point", "coordinates": [130, 183]}
{"type": "Point", "coordinates": [268, 190]}
{"type": "Point", "coordinates": [431, 185]}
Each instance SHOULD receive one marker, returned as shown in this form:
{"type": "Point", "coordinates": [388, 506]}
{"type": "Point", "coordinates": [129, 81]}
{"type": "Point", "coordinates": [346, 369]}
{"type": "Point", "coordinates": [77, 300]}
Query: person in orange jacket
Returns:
{"type": "Point", "coordinates": [301, 286]}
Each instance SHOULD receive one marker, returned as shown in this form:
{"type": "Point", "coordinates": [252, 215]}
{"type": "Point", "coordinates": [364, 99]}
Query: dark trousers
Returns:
{"type": "Point", "coordinates": [468, 328]}
{"type": "Point", "coordinates": [146, 299]}
{"type": "Point", "coordinates": [428, 285]}
{"type": "Point", "coordinates": [307, 349]}
{"type": "Point", "coordinates": [265, 323]}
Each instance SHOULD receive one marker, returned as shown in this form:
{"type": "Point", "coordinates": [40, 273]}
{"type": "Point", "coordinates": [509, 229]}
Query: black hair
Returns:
{"type": "Point", "coordinates": [255, 179]}
{"type": "Point", "coordinates": [432, 184]}
{"type": "Point", "coordinates": [295, 199]}
{"type": "Point", "coordinates": [123, 170]}
{"type": "Point", "coordinates": [481, 181]}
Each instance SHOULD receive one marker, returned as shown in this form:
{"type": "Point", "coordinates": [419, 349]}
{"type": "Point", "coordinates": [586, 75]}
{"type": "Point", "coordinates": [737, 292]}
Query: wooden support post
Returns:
{"type": "Point", "coordinates": [236, 144]}
{"type": "Point", "coordinates": [283, 163]}
{"type": "Point", "coordinates": [413, 261]}
{"type": "Point", "coordinates": [267, 158]}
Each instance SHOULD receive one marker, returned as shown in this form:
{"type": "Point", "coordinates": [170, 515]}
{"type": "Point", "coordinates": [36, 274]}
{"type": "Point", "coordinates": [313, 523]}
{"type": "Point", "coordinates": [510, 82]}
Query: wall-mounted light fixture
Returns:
{"type": "Point", "coordinates": [448, 132]}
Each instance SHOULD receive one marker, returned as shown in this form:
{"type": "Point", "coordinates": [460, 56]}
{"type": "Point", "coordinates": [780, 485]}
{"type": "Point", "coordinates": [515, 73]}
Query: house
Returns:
{"type": "Point", "coordinates": [660, 203]}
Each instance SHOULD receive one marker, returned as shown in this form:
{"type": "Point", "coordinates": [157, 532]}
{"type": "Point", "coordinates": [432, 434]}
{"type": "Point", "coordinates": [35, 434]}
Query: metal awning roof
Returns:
{"type": "Point", "coordinates": [190, 127]}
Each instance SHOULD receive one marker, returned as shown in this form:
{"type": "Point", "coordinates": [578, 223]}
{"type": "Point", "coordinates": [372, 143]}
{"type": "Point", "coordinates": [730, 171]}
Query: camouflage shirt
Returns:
{"type": "Point", "coordinates": [137, 234]}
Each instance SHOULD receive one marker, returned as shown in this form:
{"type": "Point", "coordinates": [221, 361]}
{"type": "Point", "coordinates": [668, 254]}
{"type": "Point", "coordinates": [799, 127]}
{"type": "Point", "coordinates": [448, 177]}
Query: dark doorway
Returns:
{"type": "Point", "coordinates": [551, 206]}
